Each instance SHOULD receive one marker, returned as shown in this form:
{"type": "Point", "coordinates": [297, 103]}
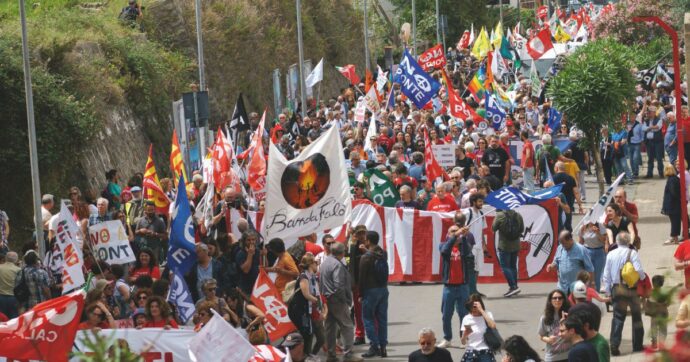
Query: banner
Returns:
{"type": "Point", "coordinates": [72, 259]}
{"type": "Point", "coordinates": [181, 249]}
{"type": "Point", "coordinates": [45, 332]}
{"type": "Point", "coordinates": [380, 188]}
{"type": "Point", "coordinates": [219, 341]}
{"type": "Point", "coordinates": [421, 260]}
{"type": "Point", "coordinates": [110, 243]}
{"type": "Point", "coordinates": [598, 211]}
{"type": "Point", "coordinates": [433, 58]}
{"type": "Point", "coordinates": [510, 198]}
{"type": "Point", "coordinates": [415, 83]}
{"type": "Point", "coordinates": [179, 295]}
{"type": "Point", "coordinates": [445, 154]}
{"type": "Point", "coordinates": [360, 111]}
{"type": "Point", "coordinates": [309, 193]}
{"type": "Point", "coordinates": [494, 113]}
{"type": "Point", "coordinates": [152, 344]}
{"type": "Point", "coordinates": [265, 296]}
{"type": "Point", "coordinates": [371, 101]}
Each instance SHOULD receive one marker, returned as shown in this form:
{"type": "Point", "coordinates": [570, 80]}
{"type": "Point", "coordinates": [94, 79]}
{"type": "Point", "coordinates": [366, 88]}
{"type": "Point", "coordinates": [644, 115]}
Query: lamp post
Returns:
{"type": "Point", "coordinates": [202, 73]}
{"type": "Point", "coordinates": [33, 149]}
{"type": "Point", "coordinates": [680, 139]}
{"type": "Point", "coordinates": [300, 49]}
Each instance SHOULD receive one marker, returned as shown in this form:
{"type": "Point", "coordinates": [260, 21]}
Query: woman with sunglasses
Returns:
{"type": "Point", "coordinates": [203, 314]}
{"type": "Point", "coordinates": [139, 298]}
{"type": "Point", "coordinates": [209, 287]}
{"type": "Point", "coordinates": [557, 305]}
{"type": "Point", "coordinates": [98, 317]}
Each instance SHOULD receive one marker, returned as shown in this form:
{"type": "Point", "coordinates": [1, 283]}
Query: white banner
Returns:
{"type": "Point", "coordinates": [219, 341]}
{"type": "Point", "coordinates": [445, 154]}
{"type": "Point", "coordinates": [152, 344]}
{"type": "Point", "coordinates": [72, 259]}
{"type": "Point", "coordinates": [110, 243]}
{"type": "Point", "coordinates": [308, 194]}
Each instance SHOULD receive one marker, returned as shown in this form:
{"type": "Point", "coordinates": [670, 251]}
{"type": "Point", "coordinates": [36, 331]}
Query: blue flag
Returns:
{"type": "Point", "coordinates": [390, 105]}
{"type": "Point", "coordinates": [510, 198]}
{"type": "Point", "coordinates": [494, 113]}
{"type": "Point", "coordinates": [415, 83]}
{"type": "Point", "coordinates": [180, 296]}
{"type": "Point", "coordinates": [181, 253]}
{"type": "Point", "coordinates": [554, 120]}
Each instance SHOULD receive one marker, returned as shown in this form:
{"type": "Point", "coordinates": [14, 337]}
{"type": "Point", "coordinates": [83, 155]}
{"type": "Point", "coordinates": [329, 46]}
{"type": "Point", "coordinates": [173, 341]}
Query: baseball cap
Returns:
{"type": "Point", "coordinates": [135, 189]}
{"type": "Point", "coordinates": [292, 339]}
{"type": "Point", "coordinates": [360, 228]}
{"type": "Point", "coordinates": [580, 290]}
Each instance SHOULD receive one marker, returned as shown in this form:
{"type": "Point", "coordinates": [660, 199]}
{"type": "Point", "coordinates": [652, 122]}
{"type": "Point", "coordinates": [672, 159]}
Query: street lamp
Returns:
{"type": "Point", "coordinates": [680, 122]}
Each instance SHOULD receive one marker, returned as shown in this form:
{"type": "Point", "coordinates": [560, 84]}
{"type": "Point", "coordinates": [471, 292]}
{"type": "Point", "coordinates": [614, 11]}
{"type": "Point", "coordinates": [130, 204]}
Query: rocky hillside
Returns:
{"type": "Point", "coordinates": [103, 91]}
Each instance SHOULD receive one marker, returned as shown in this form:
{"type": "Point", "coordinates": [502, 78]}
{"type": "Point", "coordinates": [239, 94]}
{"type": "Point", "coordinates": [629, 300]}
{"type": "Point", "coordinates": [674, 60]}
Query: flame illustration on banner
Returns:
{"type": "Point", "coordinates": [304, 183]}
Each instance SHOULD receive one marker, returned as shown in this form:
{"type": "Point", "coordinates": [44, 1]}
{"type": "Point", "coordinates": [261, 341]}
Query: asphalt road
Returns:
{"type": "Point", "coordinates": [414, 306]}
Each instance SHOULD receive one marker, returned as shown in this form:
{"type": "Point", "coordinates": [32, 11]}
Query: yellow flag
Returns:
{"type": "Point", "coordinates": [561, 35]}
{"type": "Point", "coordinates": [498, 36]}
{"type": "Point", "coordinates": [481, 45]}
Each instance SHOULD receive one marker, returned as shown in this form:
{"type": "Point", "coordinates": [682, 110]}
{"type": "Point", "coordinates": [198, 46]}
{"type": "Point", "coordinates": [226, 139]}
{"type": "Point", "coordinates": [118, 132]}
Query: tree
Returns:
{"type": "Point", "coordinates": [617, 23]}
{"type": "Point", "coordinates": [594, 88]}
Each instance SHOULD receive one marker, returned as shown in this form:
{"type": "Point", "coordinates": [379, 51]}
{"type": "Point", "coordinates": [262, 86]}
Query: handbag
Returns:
{"type": "Point", "coordinates": [493, 339]}
{"type": "Point", "coordinates": [21, 290]}
{"type": "Point", "coordinates": [257, 334]}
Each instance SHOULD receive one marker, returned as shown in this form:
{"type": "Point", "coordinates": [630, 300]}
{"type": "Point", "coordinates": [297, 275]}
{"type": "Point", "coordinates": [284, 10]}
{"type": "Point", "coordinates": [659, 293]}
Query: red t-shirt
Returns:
{"type": "Point", "coordinates": [315, 249]}
{"type": "Point", "coordinates": [155, 274]}
{"type": "Point", "coordinates": [162, 323]}
{"type": "Point", "coordinates": [455, 275]}
{"type": "Point", "coordinates": [527, 162]}
{"type": "Point", "coordinates": [446, 204]}
{"type": "Point", "coordinates": [85, 325]}
{"type": "Point", "coordinates": [683, 253]}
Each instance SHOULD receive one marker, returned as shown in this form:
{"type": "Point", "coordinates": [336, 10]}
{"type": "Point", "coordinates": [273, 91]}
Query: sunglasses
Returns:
{"type": "Point", "coordinates": [142, 297]}
{"type": "Point", "coordinates": [556, 298]}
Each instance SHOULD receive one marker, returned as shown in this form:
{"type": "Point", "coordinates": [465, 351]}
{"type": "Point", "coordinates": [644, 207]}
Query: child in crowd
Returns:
{"type": "Point", "coordinates": [583, 291]}
{"type": "Point", "coordinates": [656, 307]}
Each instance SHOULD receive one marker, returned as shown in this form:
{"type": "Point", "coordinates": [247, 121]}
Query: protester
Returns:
{"type": "Point", "coordinates": [247, 260]}
{"type": "Point", "coordinates": [146, 264]}
{"type": "Point", "coordinates": [158, 314]}
{"type": "Point", "coordinates": [570, 259]}
{"type": "Point", "coordinates": [590, 316]}
{"type": "Point", "coordinates": [571, 330]}
{"type": "Point", "coordinates": [623, 295]}
{"type": "Point", "coordinates": [473, 327]}
{"type": "Point", "coordinates": [312, 310]}
{"type": "Point", "coordinates": [8, 275]}
{"type": "Point", "coordinates": [617, 223]}
{"type": "Point", "coordinates": [671, 204]}
{"type": "Point", "coordinates": [285, 267]}
{"type": "Point", "coordinates": [150, 231]}
{"type": "Point", "coordinates": [593, 237]}
{"type": "Point", "coordinates": [204, 268]}
{"type": "Point", "coordinates": [510, 226]}
{"type": "Point", "coordinates": [428, 352]}
{"type": "Point", "coordinates": [98, 317]}
{"type": "Point", "coordinates": [243, 314]}
{"type": "Point", "coordinates": [36, 279]}
{"type": "Point", "coordinates": [557, 306]}
{"type": "Point", "coordinates": [373, 282]}
{"type": "Point", "coordinates": [629, 210]}
{"type": "Point", "coordinates": [570, 190]}
{"type": "Point", "coordinates": [355, 252]}
{"type": "Point", "coordinates": [518, 350]}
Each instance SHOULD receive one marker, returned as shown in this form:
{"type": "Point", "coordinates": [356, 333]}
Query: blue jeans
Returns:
{"type": "Point", "coordinates": [454, 299]}
{"type": "Point", "coordinates": [655, 151]}
{"type": "Point", "coordinates": [622, 166]}
{"type": "Point", "coordinates": [375, 315]}
{"type": "Point", "coordinates": [635, 157]}
{"type": "Point", "coordinates": [528, 179]}
{"type": "Point", "coordinates": [508, 262]}
{"type": "Point", "coordinates": [598, 258]}
{"type": "Point", "coordinates": [470, 275]}
{"type": "Point", "coordinates": [8, 306]}
{"type": "Point", "coordinates": [672, 153]}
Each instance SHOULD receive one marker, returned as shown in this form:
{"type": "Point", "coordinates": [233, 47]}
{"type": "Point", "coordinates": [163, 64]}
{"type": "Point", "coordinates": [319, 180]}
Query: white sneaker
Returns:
{"type": "Point", "coordinates": [444, 344]}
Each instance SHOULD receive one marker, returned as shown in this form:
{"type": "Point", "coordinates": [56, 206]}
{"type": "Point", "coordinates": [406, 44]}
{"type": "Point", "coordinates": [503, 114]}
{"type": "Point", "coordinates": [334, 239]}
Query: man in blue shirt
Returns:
{"type": "Point", "coordinates": [635, 139]}
{"type": "Point", "coordinates": [670, 144]}
{"type": "Point", "coordinates": [570, 259]}
{"type": "Point", "coordinates": [620, 153]}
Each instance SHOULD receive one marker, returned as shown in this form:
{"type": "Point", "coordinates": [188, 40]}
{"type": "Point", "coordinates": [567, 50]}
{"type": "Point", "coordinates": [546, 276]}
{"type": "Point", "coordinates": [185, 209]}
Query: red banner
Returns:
{"type": "Point", "coordinates": [415, 236]}
{"type": "Point", "coordinates": [434, 58]}
{"type": "Point", "coordinates": [44, 333]}
{"type": "Point", "coordinates": [543, 12]}
{"type": "Point", "coordinates": [266, 297]}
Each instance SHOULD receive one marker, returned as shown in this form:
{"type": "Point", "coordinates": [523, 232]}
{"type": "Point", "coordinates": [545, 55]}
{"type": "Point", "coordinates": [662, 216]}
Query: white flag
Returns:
{"type": "Point", "coordinates": [372, 101]}
{"type": "Point", "coordinates": [360, 110]}
{"type": "Point", "coordinates": [219, 341]}
{"type": "Point", "coordinates": [72, 259]}
{"type": "Point", "coordinates": [315, 76]}
{"type": "Point", "coordinates": [308, 194]}
{"type": "Point", "coordinates": [381, 79]}
{"type": "Point", "coordinates": [598, 212]}
{"type": "Point", "coordinates": [110, 243]}
{"type": "Point", "coordinates": [371, 132]}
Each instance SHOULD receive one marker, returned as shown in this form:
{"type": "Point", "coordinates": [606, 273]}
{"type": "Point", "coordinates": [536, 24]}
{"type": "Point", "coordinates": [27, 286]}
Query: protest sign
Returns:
{"type": "Point", "coordinates": [109, 242]}
{"type": "Point", "coordinates": [445, 154]}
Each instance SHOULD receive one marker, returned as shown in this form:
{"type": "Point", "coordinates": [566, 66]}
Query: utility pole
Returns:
{"type": "Point", "coordinates": [33, 150]}
{"type": "Point", "coordinates": [366, 38]}
{"type": "Point", "coordinates": [414, 29]}
{"type": "Point", "coordinates": [438, 25]}
{"type": "Point", "coordinates": [500, 10]}
{"type": "Point", "coordinates": [302, 86]}
{"type": "Point", "coordinates": [202, 76]}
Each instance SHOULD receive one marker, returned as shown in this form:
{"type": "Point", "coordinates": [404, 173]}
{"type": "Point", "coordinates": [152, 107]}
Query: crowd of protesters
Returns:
{"type": "Point", "coordinates": [338, 292]}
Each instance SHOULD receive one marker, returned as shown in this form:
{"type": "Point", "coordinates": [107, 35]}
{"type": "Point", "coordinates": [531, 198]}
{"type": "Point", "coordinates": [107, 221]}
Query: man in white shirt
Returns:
{"type": "Point", "coordinates": [473, 213]}
{"type": "Point", "coordinates": [622, 295]}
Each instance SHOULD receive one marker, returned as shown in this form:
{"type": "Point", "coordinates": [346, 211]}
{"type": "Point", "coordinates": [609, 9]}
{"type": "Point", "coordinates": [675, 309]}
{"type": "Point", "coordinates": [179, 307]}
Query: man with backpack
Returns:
{"type": "Point", "coordinates": [457, 246]}
{"type": "Point", "coordinates": [510, 227]}
{"type": "Point", "coordinates": [547, 156]}
{"type": "Point", "coordinates": [373, 281]}
{"type": "Point", "coordinates": [622, 272]}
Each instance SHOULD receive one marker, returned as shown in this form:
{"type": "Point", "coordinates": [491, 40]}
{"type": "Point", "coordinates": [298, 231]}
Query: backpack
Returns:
{"type": "Point", "coordinates": [381, 271]}
{"type": "Point", "coordinates": [289, 291]}
{"type": "Point", "coordinates": [629, 276]}
{"type": "Point", "coordinates": [106, 194]}
{"type": "Point", "coordinates": [546, 158]}
{"type": "Point", "coordinates": [512, 226]}
{"type": "Point", "coordinates": [21, 290]}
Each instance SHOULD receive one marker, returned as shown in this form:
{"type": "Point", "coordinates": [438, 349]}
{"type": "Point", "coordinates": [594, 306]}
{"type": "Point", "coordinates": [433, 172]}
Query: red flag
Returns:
{"type": "Point", "coordinates": [540, 44]}
{"type": "Point", "coordinates": [256, 170]}
{"type": "Point", "coordinates": [542, 12]}
{"type": "Point", "coordinates": [433, 58]}
{"type": "Point", "coordinates": [265, 296]}
{"type": "Point", "coordinates": [223, 175]}
{"type": "Point", "coordinates": [44, 333]}
{"type": "Point", "coordinates": [267, 353]}
{"type": "Point", "coordinates": [368, 80]}
{"type": "Point", "coordinates": [348, 72]}
{"type": "Point", "coordinates": [561, 14]}
{"type": "Point", "coordinates": [464, 42]}
{"type": "Point", "coordinates": [433, 169]}
{"type": "Point", "coordinates": [458, 107]}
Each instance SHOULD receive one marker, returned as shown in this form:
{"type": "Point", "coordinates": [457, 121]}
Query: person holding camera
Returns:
{"type": "Point", "coordinates": [222, 215]}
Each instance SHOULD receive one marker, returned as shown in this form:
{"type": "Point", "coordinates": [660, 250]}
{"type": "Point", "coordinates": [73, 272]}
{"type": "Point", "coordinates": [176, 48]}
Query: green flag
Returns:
{"type": "Point", "coordinates": [380, 189]}
{"type": "Point", "coordinates": [534, 77]}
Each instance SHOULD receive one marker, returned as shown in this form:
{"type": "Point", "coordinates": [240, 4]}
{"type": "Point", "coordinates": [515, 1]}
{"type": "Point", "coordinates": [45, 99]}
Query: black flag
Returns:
{"type": "Point", "coordinates": [239, 121]}
{"type": "Point", "coordinates": [646, 76]}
